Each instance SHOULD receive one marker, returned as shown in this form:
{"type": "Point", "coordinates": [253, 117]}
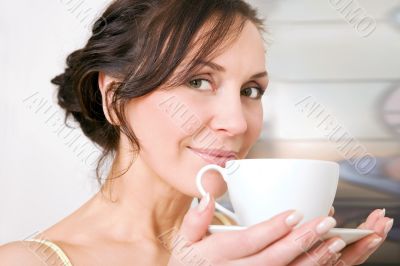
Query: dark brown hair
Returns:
{"type": "Point", "coordinates": [141, 43]}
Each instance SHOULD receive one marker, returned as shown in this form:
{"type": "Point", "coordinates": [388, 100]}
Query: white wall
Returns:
{"type": "Point", "coordinates": [42, 178]}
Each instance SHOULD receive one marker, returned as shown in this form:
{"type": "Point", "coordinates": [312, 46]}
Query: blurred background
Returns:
{"type": "Point", "coordinates": [334, 94]}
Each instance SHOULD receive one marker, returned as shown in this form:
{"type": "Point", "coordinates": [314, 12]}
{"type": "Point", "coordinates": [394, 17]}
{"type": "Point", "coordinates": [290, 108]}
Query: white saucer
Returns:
{"type": "Point", "coordinates": [349, 235]}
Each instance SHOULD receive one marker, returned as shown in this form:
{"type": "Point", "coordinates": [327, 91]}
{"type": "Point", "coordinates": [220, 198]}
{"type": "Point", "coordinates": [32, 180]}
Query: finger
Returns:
{"type": "Point", "coordinates": [363, 248]}
{"type": "Point", "coordinates": [242, 243]}
{"type": "Point", "coordinates": [381, 228]}
{"type": "Point", "coordinates": [195, 223]}
{"type": "Point", "coordinates": [354, 252]}
{"type": "Point", "coordinates": [294, 244]}
{"type": "Point", "coordinates": [361, 226]}
{"type": "Point", "coordinates": [373, 218]}
{"type": "Point", "coordinates": [331, 211]}
{"type": "Point", "coordinates": [321, 254]}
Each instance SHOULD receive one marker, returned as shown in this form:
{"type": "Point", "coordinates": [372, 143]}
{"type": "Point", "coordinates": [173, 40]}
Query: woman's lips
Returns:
{"type": "Point", "coordinates": [219, 157]}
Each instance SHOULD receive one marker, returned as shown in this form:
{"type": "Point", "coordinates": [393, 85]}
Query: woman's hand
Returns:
{"type": "Point", "coordinates": [357, 253]}
{"type": "Point", "coordinates": [273, 242]}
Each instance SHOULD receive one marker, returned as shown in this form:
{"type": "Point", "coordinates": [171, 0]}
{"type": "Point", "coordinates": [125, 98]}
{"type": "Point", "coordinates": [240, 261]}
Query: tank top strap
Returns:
{"type": "Point", "coordinates": [223, 218]}
{"type": "Point", "coordinates": [63, 257]}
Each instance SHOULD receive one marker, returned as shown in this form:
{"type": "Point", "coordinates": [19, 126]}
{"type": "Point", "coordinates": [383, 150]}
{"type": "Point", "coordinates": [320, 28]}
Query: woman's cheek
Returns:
{"type": "Point", "coordinates": [254, 118]}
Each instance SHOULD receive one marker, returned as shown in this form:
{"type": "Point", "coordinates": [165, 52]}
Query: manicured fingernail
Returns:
{"type": "Point", "coordinates": [374, 242]}
{"type": "Point", "coordinates": [203, 203]}
{"type": "Point", "coordinates": [327, 224]}
{"type": "Point", "coordinates": [294, 218]}
{"type": "Point", "coordinates": [337, 246]}
{"type": "Point", "coordinates": [388, 226]}
{"type": "Point", "coordinates": [383, 212]}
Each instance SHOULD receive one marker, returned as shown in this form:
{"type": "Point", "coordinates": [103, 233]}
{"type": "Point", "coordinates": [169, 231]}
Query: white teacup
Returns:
{"type": "Point", "coordinates": [262, 188]}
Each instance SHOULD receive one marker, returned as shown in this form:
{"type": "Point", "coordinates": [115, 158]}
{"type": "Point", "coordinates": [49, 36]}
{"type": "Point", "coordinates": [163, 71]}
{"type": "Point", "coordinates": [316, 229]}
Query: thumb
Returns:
{"type": "Point", "coordinates": [195, 223]}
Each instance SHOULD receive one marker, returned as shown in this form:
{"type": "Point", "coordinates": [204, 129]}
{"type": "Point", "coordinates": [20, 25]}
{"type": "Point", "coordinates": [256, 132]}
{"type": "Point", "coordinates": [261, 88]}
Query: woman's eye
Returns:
{"type": "Point", "coordinates": [204, 85]}
{"type": "Point", "coordinates": [201, 84]}
{"type": "Point", "coordinates": [252, 92]}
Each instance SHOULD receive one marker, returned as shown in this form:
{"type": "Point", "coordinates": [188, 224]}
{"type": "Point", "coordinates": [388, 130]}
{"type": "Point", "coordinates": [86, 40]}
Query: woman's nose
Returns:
{"type": "Point", "coordinates": [229, 116]}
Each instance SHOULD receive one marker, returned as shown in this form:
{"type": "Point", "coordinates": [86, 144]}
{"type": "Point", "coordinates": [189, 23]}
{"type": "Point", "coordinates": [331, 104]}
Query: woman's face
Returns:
{"type": "Point", "coordinates": [218, 108]}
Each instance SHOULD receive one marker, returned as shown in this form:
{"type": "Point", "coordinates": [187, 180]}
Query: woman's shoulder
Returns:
{"type": "Point", "coordinates": [34, 251]}
{"type": "Point", "coordinates": [23, 253]}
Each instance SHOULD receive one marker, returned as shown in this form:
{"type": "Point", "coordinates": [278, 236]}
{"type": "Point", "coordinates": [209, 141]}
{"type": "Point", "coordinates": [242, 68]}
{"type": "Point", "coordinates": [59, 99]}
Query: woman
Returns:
{"type": "Point", "coordinates": [156, 83]}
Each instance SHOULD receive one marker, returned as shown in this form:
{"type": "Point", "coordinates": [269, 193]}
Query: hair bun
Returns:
{"type": "Point", "coordinates": [67, 97]}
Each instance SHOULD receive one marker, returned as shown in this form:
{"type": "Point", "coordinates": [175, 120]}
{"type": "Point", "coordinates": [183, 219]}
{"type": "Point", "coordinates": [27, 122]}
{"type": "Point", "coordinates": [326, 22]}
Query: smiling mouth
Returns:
{"type": "Point", "coordinates": [213, 159]}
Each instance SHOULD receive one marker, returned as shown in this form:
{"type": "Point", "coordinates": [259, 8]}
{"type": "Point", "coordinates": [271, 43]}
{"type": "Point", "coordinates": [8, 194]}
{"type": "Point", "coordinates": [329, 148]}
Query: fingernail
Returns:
{"type": "Point", "coordinates": [333, 210]}
{"type": "Point", "coordinates": [337, 246]}
{"type": "Point", "coordinates": [327, 224]}
{"type": "Point", "coordinates": [383, 212]}
{"type": "Point", "coordinates": [203, 203]}
{"type": "Point", "coordinates": [388, 226]}
{"type": "Point", "coordinates": [374, 242]}
{"type": "Point", "coordinates": [294, 218]}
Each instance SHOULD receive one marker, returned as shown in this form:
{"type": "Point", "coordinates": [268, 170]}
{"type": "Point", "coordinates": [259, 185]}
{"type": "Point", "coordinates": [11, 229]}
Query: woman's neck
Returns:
{"type": "Point", "coordinates": [139, 203]}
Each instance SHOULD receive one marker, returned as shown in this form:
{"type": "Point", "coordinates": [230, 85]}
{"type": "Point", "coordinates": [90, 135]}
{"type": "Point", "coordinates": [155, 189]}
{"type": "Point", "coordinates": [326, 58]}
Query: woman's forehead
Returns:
{"type": "Point", "coordinates": [247, 42]}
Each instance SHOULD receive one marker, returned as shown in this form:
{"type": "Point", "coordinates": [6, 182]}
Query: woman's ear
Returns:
{"type": "Point", "coordinates": [106, 96]}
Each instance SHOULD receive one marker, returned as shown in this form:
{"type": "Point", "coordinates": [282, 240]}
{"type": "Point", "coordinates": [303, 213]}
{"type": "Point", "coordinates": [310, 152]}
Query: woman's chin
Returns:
{"type": "Point", "coordinates": [215, 187]}
{"type": "Point", "coordinates": [220, 189]}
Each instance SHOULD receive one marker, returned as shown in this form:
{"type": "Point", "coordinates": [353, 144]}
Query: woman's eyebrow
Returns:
{"type": "Point", "coordinates": [212, 65]}
{"type": "Point", "coordinates": [259, 75]}
{"type": "Point", "coordinates": [222, 69]}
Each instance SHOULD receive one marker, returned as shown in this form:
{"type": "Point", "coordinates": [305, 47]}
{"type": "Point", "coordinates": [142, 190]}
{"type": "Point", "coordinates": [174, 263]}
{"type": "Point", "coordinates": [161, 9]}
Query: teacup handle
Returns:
{"type": "Point", "coordinates": [202, 191]}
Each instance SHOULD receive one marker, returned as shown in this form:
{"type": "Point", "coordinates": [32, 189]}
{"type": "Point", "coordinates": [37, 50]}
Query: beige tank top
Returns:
{"type": "Point", "coordinates": [65, 260]}
{"type": "Point", "coordinates": [63, 257]}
